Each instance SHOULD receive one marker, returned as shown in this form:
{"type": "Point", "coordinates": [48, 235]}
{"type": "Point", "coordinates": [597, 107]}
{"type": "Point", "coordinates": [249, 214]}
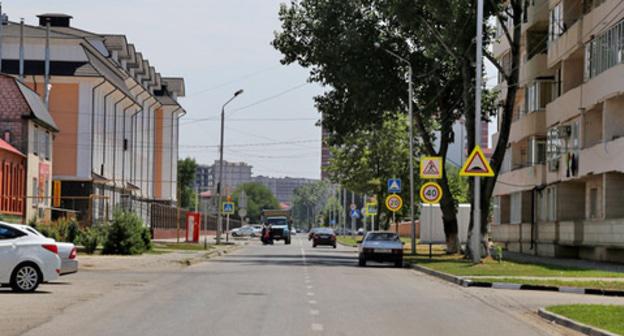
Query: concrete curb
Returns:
{"type": "Point", "coordinates": [572, 324]}
{"type": "Point", "coordinates": [514, 286]}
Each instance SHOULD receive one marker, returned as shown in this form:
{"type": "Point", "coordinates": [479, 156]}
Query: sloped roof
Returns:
{"type": "Point", "coordinates": [37, 107]}
{"type": "Point", "coordinates": [7, 147]}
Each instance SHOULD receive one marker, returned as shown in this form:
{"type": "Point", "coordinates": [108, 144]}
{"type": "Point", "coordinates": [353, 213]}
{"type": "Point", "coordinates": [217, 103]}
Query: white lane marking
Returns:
{"type": "Point", "coordinates": [314, 312]}
{"type": "Point", "coordinates": [310, 287]}
{"type": "Point", "coordinates": [310, 294]}
{"type": "Point", "coordinates": [317, 327]}
{"type": "Point", "coordinates": [312, 302]}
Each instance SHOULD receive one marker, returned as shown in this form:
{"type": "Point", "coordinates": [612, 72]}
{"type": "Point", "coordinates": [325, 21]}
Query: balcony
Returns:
{"type": "Point", "coordinates": [537, 15]}
{"type": "Point", "coordinates": [564, 107]}
{"type": "Point", "coordinates": [523, 177]}
{"type": "Point", "coordinates": [594, 21]}
{"type": "Point", "coordinates": [527, 125]}
{"type": "Point", "coordinates": [602, 158]}
{"type": "Point", "coordinates": [534, 67]}
{"type": "Point", "coordinates": [607, 84]}
{"type": "Point", "coordinates": [565, 45]}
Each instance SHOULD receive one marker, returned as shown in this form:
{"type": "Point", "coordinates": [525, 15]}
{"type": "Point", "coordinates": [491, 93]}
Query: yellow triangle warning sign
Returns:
{"type": "Point", "coordinates": [476, 164]}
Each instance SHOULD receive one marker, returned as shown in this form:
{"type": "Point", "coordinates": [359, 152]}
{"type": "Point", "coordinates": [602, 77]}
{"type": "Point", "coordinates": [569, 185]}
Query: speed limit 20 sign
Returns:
{"type": "Point", "coordinates": [431, 193]}
{"type": "Point", "coordinates": [394, 202]}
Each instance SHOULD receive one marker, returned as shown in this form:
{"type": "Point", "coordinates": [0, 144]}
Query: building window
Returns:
{"type": "Point", "coordinates": [46, 145]}
{"type": "Point", "coordinates": [604, 51]}
{"type": "Point", "coordinates": [551, 204]}
{"type": "Point", "coordinates": [35, 192]}
{"type": "Point", "coordinates": [556, 25]}
{"type": "Point", "coordinates": [516, 208]}
{"type": "Point", "coordinates": [537, 151]}
{"type": "Point", "coordinates": [538, 94]}
{"type": "Point", "coordinates": [593, 203]}
{"type": "Point", "coordinates": [36, 140]}
{"type": "Point", "coordinates": [7, 136]}
{"type": "Point", "coordinates": [553, 149]}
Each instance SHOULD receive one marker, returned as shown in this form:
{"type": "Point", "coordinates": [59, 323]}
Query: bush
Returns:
{"type": "Point", "coordinates": [146, 236]}
{"type": "Point", "coordinates": [89, 238]}
{"type": "Point", "coordinates": [125, 235]}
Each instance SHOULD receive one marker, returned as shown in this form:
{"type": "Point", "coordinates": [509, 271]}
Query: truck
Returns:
{"type": "Point", "coordinates": [280, 222]}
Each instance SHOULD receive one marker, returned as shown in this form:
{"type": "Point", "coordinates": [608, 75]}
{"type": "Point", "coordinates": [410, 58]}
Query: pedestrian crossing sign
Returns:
{"type": "Point", "coordinates": [431, 167]}
{"type": "Point", "coordinates": [476, 165]}
{"type": "Point", "coordinates": [228, 208]}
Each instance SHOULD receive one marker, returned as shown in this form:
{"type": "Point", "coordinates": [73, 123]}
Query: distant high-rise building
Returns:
{"type": "Point", "coordinates": [282, 187]}
{"type": "Point", "coordinates": [234, 174]}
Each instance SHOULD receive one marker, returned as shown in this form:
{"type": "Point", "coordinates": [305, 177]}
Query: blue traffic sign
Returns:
{"type": "Point", "coordinates": [228, 208]}
{"type": "Point", "coordinates": [355, 214]}
{"type": "Point", "coordinates": [394, 185]}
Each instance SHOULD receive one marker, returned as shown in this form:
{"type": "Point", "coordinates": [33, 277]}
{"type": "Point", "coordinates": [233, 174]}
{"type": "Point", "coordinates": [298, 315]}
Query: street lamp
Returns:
{"type": "Point", "coordinates": [219, 218]}
{"type": "Point", "coordinates": [411, 139]}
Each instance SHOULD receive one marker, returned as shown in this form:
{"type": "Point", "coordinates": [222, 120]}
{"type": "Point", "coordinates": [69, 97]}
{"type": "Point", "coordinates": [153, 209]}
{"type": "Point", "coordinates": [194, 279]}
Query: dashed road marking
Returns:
{"type": "Point", "coordinates": [314, 312]}
{"type": "Point", "coordinates": [312, 302]}
{"type": "Point", "coordinates": [310, 294]}
{"type": "Point", "coordinates": [317, 327]}
{"type": "Point", "coordinates": [309, 287]}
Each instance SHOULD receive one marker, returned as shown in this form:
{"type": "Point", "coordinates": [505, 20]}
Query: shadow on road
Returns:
{"type": "Point", "coordinates": [289, 260]}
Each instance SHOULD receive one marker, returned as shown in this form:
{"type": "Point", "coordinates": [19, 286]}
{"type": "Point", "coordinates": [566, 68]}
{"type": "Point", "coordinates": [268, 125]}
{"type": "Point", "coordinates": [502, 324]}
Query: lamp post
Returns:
{"type": "Point", "coordinates": [411, 139]}
{"type": "Point", "coordinates": [219, 217]}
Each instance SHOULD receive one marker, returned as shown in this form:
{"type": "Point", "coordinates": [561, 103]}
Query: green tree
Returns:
{"type": "Point", "coordinates": [186, 182]}
{"type": "Point", "coordinates": [308, 201]}
{"type": "Point", "coordinates": [367, 159]}
{"type": "Point", "coordinates": [258, 197]}
{"type": "Point", "coordinates": [336, 40]}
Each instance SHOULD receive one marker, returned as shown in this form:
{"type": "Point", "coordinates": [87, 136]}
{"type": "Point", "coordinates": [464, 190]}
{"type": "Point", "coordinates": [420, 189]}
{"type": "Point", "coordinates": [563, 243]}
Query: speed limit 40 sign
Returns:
{"type": "Point", "coordinates": [431, 193]}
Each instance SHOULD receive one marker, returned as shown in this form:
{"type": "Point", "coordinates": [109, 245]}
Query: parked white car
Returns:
{"type": "Point", "coordinates": [26, 259]}
{"type": "Point", "coordinates": [66, 251]}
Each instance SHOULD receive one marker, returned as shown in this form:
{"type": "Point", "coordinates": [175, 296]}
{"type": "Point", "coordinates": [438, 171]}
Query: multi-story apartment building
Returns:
{"type": "Point", "coordinates": [234, 174]}
{"type": "Point", "coordinates": [204, 179]}
{"type": "Point", "coordinates": [117, 116]}
{"type": "Point", "coordinates": [282, 187]}
{"type": "Point", "coordinates": [26, 124]}
{"type": "Point", "coordinates": [559, 193]}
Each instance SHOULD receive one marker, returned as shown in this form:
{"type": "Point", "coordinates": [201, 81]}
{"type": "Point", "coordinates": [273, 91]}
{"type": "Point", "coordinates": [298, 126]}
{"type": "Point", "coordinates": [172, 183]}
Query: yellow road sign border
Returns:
{"type": "Point", "coordinates": [422, 195]}
{"type": "Point", "coordinates": [430, 158]}
{"type": "Point", "coordinates": [389, 197]}
{"type": "Point", "coordinates": [477, 151]}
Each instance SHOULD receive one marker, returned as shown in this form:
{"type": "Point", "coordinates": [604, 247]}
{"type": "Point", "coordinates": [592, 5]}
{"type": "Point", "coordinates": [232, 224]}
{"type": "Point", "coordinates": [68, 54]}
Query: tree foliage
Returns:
{"type": "Point", "coordinates": [308, 200]}
{"type": "Point", "coordinates": [186, 181]}
{"type": "Point", "coordinates": [258, 197]}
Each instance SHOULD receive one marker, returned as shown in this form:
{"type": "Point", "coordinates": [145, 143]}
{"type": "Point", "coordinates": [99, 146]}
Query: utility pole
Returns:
{"type": "Point", "coordinates": [46, 85]}
{"type": "Point", "coordinates": [219, 186]}
{"type": "Point", "coordinates": [476, 225]}
{"type": "Point", "coordinates": [352, 219]}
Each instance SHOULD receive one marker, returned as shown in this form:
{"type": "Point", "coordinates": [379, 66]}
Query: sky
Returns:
{"type": "Point", "coordinates": [219, 47]}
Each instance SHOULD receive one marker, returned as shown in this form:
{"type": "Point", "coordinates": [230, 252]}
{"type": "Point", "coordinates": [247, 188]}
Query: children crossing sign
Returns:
{"type": "Point", "coordinates": [431, 167]}
{"type": "Point", "coordinates": [476, 165]}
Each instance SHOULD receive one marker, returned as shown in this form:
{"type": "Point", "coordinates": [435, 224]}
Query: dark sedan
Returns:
{"type": "Point", "coordinates": [324, 236]}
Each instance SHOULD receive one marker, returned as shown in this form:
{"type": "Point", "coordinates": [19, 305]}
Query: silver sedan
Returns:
{"type": "Point", "coordinates": [381, 247]}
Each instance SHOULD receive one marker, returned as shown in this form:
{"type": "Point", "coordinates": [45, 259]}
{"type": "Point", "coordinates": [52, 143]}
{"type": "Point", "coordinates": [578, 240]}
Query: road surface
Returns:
{"type": "Point", "coordinates": [297, 290]}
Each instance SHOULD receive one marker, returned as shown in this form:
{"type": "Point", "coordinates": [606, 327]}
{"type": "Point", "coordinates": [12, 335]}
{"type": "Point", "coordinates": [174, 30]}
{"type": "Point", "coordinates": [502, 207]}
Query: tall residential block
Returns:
{"type": "Point", "coordinates": [560, 189]}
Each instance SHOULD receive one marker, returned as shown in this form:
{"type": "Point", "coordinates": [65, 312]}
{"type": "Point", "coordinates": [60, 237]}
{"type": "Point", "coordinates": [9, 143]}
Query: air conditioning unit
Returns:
{"type": "Point", "coordinates": [553, 165]}
{"type": "Point", "coordinates": [565, 131]}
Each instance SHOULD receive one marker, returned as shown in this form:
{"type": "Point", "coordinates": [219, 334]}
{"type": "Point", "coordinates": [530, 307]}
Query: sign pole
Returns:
{"type": "Point", "coordinates": [352, 219]}
{"type": "Point", "coordinates": [430, 230]}
{"type": "Point", "coordinates": [476, 221]}
{"type": "Point", "coordinates": [227, 228]}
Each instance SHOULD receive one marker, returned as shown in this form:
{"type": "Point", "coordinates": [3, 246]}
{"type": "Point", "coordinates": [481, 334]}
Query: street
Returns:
{"type": "Point", "coordinates": [298, 290]}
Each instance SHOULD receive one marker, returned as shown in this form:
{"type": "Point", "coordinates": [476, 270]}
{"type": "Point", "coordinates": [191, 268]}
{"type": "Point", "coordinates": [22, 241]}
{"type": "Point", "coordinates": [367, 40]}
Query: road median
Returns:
{"type": "Point", "coordinates": [595, 320]}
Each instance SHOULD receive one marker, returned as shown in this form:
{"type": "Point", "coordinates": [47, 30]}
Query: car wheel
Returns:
{"type": "Point", "coordinates": [398, 263]}
{"type": "Point", "coordinates": [314, 245]}
{"type": "Point", "coordinates": [26, 278]}
{"type": "Point", "coordinates": [362, 262]}
{"type": "Point", "coordinates": [334, 245]}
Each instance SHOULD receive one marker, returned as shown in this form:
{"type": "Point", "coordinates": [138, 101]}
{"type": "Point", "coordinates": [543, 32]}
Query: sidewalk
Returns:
{"type": "Point", "coordinates": [211, 239]}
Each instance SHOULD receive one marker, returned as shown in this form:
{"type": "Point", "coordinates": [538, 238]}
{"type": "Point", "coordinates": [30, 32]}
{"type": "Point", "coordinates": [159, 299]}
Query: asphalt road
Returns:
{"type": "Point", "coordinates": [296, 290]}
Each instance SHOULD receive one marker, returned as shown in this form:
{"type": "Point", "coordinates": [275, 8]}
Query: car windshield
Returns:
{"type": "Point", "coordinates": [382, 236]}
{"type": "Point", "coordinates": [277, 221]}
{"type": "Point", "coordinates": [325, 231]}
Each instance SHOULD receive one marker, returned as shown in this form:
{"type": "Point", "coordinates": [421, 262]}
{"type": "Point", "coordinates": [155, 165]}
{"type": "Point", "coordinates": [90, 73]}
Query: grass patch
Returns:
{"type": "Point", "coordinates": [181, 247]}
{"type": "Point", "coordinates": [612, 285]}
{"type": "Point", "coordinates": [606, 317]}
{"type": "Point", "coordinates": [457, 266]}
